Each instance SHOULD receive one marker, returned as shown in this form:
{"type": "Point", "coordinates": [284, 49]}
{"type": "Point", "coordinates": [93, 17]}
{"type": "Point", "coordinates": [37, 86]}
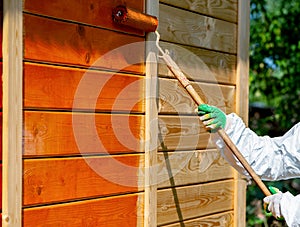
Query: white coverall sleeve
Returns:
{"type": "Point", "coordinates": [290, 209]}
{"type": "Point", "coordinates": [271, 158]}
{"type": "Point", "coordinates": [275, 158]}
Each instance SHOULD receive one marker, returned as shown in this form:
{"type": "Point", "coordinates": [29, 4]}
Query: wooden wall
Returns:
{"type": "Point", "coordinates": [201, 37]}
{"type": "Point", "coordinates": [86, 116]}
{"type": "Point", "coordinates": [83, 116]}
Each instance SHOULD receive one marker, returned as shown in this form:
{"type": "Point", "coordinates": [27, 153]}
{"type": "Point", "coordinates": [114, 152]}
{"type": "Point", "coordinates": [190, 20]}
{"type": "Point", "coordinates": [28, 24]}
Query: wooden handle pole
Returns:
{"type": "Point", "coordinates": [173, 67]}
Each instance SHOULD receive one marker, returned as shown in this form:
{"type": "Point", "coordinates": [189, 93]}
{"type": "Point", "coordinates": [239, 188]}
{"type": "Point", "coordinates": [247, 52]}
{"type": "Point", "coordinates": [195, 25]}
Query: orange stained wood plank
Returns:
{"type": "Point", "coordinates": [93, 12]}
{"type": "Point", "coordinates": [1, 132]}
{"type": "Point", "coordinates": [125, 211]}
{"type": "Point", "coordinates": [1, 188]}
{"type": "Point", "coordinates": [66, 88]}
{"type": "Point", "coordinates": [62, 179]}
{"type": "Point", "coordinates": [1, 84]}
{"type": "Point", "coordinates": [60, 42]}
{"type": "Point", "coordinates": [60, 133]}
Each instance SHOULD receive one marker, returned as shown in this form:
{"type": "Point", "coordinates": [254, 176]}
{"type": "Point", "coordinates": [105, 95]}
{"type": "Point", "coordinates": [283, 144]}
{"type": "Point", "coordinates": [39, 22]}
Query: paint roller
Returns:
{"type": "Point", "coordinates": [125, 16]}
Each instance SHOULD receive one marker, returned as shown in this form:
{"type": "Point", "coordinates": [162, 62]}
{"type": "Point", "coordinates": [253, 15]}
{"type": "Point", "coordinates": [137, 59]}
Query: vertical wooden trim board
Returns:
{"type": "Point", "coordinates": [12, 112]}
{"type": "Point", "coordinates": [242, 101]}
{"type": "Point", "coordinates": [151, 124]}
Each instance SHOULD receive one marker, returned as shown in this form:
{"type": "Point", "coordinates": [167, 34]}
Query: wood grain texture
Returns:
{"type": "Point", "coordinates": [109, 212]}
{"type": "Point", "coordinates": [151, 128]}
{"type": "Point", "coordinates": [1, 133]}
{"type": "Point", "coordinates": [61, 133]}
{"type": "Point", "coordinates": [63, 179]}
{"type": "Point", "coordinates": [174, 99]}
{"type": "Point", "coordinates": [222, 9]}
{"type": "Point", "coordinates": [194, 201]}
{"type": "Point", "coordinates": [180, 26]}
{"type": "Point", "coordinates": [182, 133]}
{"type": "Point", "coordinates": [1, 87]}
{"type": "Point", "coordinates": [222, 219]}
{"type": "Point", "coordinates": [12, 45]}
{"type": "Point", "coordinates": [242, 107]}
{"type": "Point", "coordinates": [92, 12]}
{"type": "Point", "coordinates": [54, 87]}
{"type": "Point", "coordinates": [200, 64]}
{"type": "Point", "coordinates": [60, 42]}
{"type": "Point", "coordinates": [1, 166]}
{"type": "Point", "coordinates": [190, 167]}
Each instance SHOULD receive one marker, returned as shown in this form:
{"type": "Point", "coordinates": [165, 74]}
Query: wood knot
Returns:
{"type": "Point", "coordinates": [39, 190]}
{"type": "Point", "coordinates": [80, 30]}
{"type": "Point", "coordinates": [92, 6]}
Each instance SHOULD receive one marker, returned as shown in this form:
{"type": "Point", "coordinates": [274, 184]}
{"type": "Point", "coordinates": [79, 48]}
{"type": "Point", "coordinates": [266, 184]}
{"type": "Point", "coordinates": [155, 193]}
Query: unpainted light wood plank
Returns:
{"type": "Point", "coordinates": [63, 179]}
{"type": "Point", "coordinates": [54, 87]}
{"type": "Point", "coordinates": [192, 29]}
{"type": "Point", "coordinates": [194, 201]}
{"type": "Point", "coordinates": [223, 9]}
{"type": "Point", "coordinates": [174, 99]}
{"type": "Point", "coordinates": [242, 83]}
{"type": "Point", "coordinates": [62, 133]}
{"type": "Point", "coordinates": [222, 219]}
{"type": "Point", "coordinates": [92, 12]}
{"type": "Point", "coordinates": [109, 212]}
{"type": "Point", "coordinates": [182, 133]}
{"type": "Point", "coordinates": [200, 64]}
{"type": "Point", "coordinates": [191, 167]}
{"type": "Point", "coordinates": [60, 42]}
{"type": "Point", "coordinates": [242, 107]}
{"type": "Point", "coordinates": [12, 49]}
{"type": "Point", "coordinates": [151, 126]}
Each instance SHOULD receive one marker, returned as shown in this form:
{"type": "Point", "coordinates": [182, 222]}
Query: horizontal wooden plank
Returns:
{"type": "Point", "coordinates": [194, 201]}
{"type": "Point", "coordinates": [222, 219]}
{"type": "Point", "coordinates": [191, 167]}
{"type": "Point", "coordinates": [123, 211]}
{"type": "Point", "coordinates": [61, 42]}
{"type": "Point", "coordinates": [63, 179]}
{"type": "Point", "coordinates": [62, 133]}
{"type": "Point", "coordinates": [1, 133]}
{"type": "Point", "coordinates": [200, 64]}
{"type": "Point", "coordinates": [174, 99]}
{"type": "Point", "coordinates": [96, 13]}
{"type": "Point", "coordinates": [225, 9]}
{"type": "Point", "coordinates": [183, 133]}
{"type": "Point", "coordinates": [1, 186]}
{"type": "Point", "coordinates": [1, 87]}
{"type": "Point", "coordinates": [192, 29]}
{"type": "Point", "coordinates": [55, 87]}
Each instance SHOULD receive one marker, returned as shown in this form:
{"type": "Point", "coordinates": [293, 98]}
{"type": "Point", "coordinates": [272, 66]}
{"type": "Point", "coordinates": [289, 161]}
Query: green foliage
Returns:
{"type": "Point", "coordinates": [275, 81]}
{"type": "Point", "coordinates": [274, 58]}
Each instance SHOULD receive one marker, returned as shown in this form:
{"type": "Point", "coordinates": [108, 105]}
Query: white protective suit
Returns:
{"type": "Point", "coordinates": [275, 158]}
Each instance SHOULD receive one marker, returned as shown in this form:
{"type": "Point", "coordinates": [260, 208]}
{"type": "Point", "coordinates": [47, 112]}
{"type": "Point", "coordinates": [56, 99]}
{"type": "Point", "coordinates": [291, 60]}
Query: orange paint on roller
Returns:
{"type": "Point", "coordinates": [125, 16]}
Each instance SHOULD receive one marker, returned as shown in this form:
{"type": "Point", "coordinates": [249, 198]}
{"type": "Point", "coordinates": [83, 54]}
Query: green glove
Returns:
{"type": "Point", "coordinates": [212, 117]}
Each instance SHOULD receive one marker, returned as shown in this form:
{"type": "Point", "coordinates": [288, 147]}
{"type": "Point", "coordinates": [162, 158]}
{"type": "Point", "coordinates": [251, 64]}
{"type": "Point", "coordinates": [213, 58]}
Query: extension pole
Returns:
{"type": "Point", "coordinates": [124, 16]}
{"type": "Point", "coordinates": [174, 68]}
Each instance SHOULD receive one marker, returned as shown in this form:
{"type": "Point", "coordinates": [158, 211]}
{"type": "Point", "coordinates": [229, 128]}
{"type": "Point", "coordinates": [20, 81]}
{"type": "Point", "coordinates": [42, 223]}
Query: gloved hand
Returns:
{"type": "Point", "coordinates": [273, 202]}
{"type": "Point", "coordinates": [212, 117]}
{"type": "Point", "coordinates": [285, 205]}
